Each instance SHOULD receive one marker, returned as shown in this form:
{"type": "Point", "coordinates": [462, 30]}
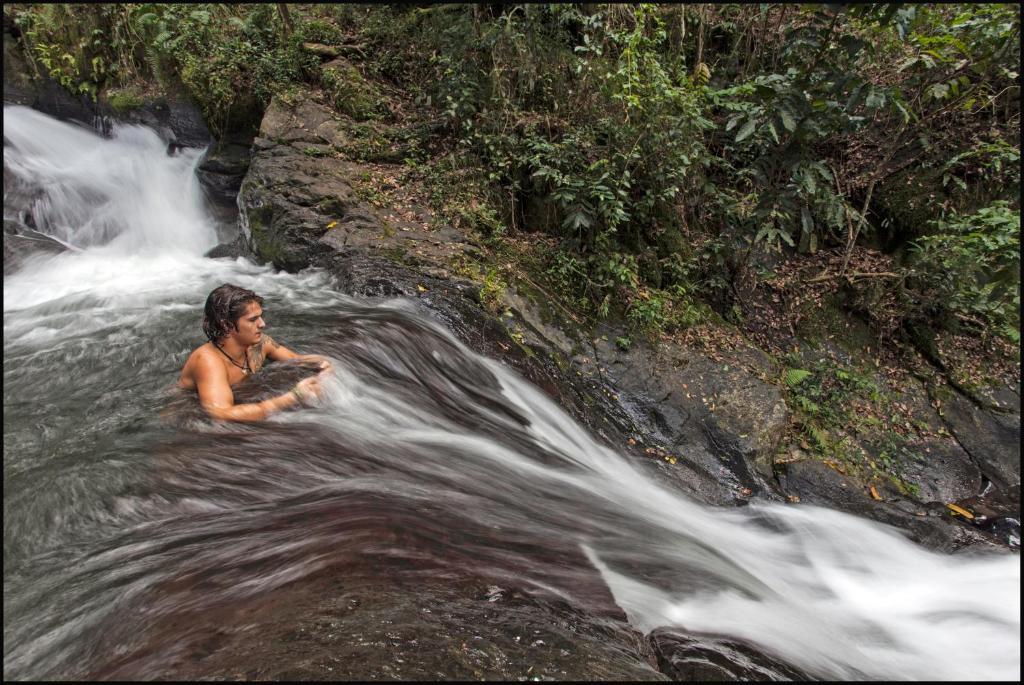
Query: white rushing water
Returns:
{"type": "Point", "coordinates": [839, 596]}
{"type": "Point", "coordinates": [134, 219]}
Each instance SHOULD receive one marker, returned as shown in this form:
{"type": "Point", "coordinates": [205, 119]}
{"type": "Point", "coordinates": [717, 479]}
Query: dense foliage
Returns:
{"type": "Point", "coordinates": [667, 147]}
{"type": "Point", "coordinates": [668, 150]}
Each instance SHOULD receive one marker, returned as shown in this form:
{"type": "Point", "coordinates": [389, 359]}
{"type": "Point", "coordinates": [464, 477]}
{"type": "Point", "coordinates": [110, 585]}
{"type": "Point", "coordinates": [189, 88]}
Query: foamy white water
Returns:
{"type": "Point", "coordinates": [836, 595]}
{"type": "Point", "coordinates": [124, 195]}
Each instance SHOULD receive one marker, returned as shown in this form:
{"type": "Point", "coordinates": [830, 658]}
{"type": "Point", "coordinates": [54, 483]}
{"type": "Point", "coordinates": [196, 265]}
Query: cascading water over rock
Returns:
{"type": "Point", "coordinates": [134, 529]}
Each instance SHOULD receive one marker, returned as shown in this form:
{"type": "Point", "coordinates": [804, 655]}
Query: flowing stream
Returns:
{"type": "Point", "coordinates": [124, 508]}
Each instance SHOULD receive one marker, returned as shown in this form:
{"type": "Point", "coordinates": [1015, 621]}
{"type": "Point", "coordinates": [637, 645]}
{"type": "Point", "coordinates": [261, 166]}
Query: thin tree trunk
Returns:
{"type": "Point", "coordinates": [286, 19]}
{"type": "Point", "coordinates": [851, 238]}
{"type": "Point", "coordinates": [701, 21]}
{"type": "Point", "coordinates": [682, 30]}
{"type": "Point", "coordinates": [778, 39]}
{"type": "Point", "coordinates": [763, 37]}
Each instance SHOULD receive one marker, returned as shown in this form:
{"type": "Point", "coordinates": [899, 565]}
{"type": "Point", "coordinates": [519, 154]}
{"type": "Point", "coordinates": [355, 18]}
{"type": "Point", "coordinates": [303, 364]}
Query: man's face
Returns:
{"type": "Point", "coordinates": [249, 327]}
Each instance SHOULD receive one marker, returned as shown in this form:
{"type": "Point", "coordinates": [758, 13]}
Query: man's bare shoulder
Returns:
{"type": "Point", "coordinates": [202, 353]}
{"type": "Point", "coordinates": [202, 361]}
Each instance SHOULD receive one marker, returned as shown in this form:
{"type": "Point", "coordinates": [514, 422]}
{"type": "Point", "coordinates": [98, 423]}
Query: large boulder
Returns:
{"type": "Point", "coordinates": [717, 415]}
{"type": "Point", "coordinates": [927, 457]}
{"type": "Point", "coordinates": [222, 170]}
{"type": "Point", "coordinates": [991, 438]}
{"type": "Point", "coordinates": [175, 118]}
{"type": "Point", "coordinates": [708, 422]}
{"type": "Point", "coordinates": [298, 202]}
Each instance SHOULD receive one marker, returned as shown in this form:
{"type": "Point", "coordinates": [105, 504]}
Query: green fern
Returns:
{"type": "Point", "coordinates": [796, 376]}
{"type": "Point", "coordinates": [154, 60]}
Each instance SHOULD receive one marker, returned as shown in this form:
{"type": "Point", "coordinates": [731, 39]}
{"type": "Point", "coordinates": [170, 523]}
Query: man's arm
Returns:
{"type": "Point", "coordinates": [216, 397]}
{"type": "Point", "coordinates": [279, 352]}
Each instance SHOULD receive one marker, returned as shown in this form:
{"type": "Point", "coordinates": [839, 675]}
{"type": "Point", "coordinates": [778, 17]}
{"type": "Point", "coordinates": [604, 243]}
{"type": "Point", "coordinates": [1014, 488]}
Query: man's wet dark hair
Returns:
{"type": "Point", "coordinates": [224, 306]}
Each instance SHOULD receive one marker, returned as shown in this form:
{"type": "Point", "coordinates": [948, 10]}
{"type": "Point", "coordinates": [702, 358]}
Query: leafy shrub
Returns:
{"type": "Point", "coordinates": [970, 267]}
{"type": "Point", "coordinates": [229, 58]}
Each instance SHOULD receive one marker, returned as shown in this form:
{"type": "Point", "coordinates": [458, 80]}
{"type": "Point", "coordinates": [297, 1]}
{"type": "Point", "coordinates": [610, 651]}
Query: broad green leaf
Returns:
{"type": "Point", "coordinates": [875, 99]}
{"type": "Point", "coordinates": [907, 64]}
{"type": "Point", "coordinates": [787, 120]}
{"type": "Point", "coordinates": [807, 221]}
{"type": "Point", "coordinates": [939, 91]}
{"type": "Point", "coordinates": [746, 130]}
{"type": "Point", "coordinates": [812, 185]}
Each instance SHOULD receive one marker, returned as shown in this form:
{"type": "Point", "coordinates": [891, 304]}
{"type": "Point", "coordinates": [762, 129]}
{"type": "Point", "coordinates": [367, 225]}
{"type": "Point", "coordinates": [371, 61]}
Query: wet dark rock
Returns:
{"type": "Point", "coordinates": [704, 658]}
{"type": "Point", "coordinates": [239, 247]}
{"type": "Point", "coordinates": [300, 209]}
{"type": "Point", "coordinates": [941, 470]}
{"type": "Point", "coordinates": [17, 81]}
{"type": "Point", "coordinates": [991, 438]}
{"type": "Point", "coordinates": [997, 512]}
{"type": "Point", "coordinates": [176, 119]}
{"type": "Point", "coordinates": [937, 465]}
{"type": "Point", "coordinates": [930, 525]}
{"type": "Point", "coordinates": [1006, 529]}
{"type": "Point", "coordinates": [222, 170]}
{"type": "Point", "coordinates": [717, 416]}
{"type": "Point", "coordinates": [714, 414]}
{"type": "Point", "coordinates": [50, 98]}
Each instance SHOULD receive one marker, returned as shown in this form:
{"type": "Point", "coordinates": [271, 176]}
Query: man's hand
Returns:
{"type": "Point", "coordinates": [308, 389]}
{"type": "Point", "coordinates": [323, 363]}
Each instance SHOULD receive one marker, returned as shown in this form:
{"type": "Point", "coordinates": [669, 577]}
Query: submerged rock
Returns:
{"type": "Point", "coordinates": [705, 658]}
{"type": "Point", "coordinates": [22, 243]}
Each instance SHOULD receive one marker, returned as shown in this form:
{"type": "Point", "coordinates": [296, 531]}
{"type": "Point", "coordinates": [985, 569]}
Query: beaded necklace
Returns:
{"type": "Point", "coordinates": [245, 369]}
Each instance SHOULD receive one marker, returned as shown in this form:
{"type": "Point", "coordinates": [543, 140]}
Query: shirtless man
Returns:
{"type": "Point", "coordinates": [233, 321]}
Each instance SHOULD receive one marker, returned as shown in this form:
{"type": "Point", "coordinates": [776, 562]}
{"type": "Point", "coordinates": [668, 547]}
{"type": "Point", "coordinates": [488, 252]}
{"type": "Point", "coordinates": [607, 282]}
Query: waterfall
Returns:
{"type": "Point", "coordinates": [120, 530]}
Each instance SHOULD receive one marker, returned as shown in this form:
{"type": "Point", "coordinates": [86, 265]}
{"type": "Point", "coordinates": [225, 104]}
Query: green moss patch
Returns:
{"type": "Point", "coordinates": [349, 92]}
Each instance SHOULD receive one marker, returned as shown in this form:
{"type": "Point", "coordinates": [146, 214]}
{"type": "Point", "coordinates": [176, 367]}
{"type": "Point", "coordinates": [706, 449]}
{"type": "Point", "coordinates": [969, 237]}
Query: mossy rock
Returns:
{"type": "Point", "coordinates": [124, 100]}
{"type": "Point", "coordinates": [349, 92]}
